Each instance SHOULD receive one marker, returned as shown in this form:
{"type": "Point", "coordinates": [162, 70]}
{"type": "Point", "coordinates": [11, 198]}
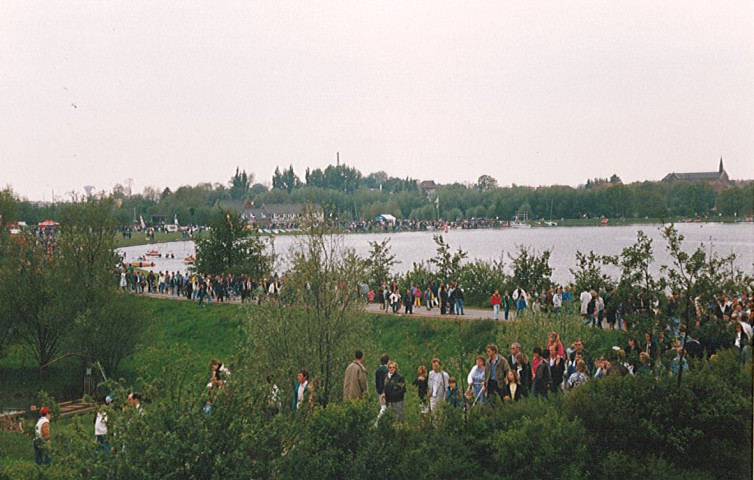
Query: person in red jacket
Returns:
{"type": "Point", "coordinates": [495, 301]}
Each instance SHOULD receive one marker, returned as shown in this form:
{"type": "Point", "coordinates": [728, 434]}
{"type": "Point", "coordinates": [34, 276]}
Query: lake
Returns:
{"type": "Point", "coordinates": [489, 244]}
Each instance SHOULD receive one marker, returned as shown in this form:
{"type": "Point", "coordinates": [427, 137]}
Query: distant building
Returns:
{"type": "Point", "coordinates": [428, 187]}
{"type": "Point", "coordinates": [717, 179]}
{"type": "Point", "coordinates": [268, 215]}
{"type": "Point", "coordinates": [243, 207]}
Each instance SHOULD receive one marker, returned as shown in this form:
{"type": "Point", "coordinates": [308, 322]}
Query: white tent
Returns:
{"type": "Point", "coordinates": [387, 218]}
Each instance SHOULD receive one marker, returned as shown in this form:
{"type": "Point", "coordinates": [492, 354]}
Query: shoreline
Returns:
{"type": "Point", "coordinates": [163, 237]}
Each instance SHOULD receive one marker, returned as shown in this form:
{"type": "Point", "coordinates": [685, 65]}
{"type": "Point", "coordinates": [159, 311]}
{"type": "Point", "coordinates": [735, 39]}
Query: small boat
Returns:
{"type": "Point", "coordinates": [520, 220]}
{"type": "Point", "coordinates": [189, 260]}
{"type": "Point", "coordinates": [141, 264]}
{"type": "Point", "coordinates": [153, 253]}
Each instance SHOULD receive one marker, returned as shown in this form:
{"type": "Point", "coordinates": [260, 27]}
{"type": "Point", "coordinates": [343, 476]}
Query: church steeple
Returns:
{"type": "Point", "coordinates": [721, 170]}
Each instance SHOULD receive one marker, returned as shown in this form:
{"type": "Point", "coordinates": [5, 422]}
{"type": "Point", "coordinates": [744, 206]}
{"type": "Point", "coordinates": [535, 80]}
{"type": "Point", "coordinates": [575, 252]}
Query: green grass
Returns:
{"type": "Point", "coordinates": [181, 331]}
{"type": "Point", "coordinates": [197, 333]}
{"type": "Point", "coordinates": [415, 341]}
{"type": "Point", "coordinates": [138, 238]}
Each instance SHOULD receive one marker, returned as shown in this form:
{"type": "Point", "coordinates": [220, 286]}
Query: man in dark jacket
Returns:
{"type": "Point", "coordinates": [542, 378]}
{"type": "Point", "coordinates": [379, 380]}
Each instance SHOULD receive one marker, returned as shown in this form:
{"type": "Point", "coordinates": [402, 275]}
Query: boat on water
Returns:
{"type": "Point", "coordinates": [189, 260]}
{"type": "Point", "coordinates": [140, 264]}
{"type": "Point", "coordinates": [153, 253]}
{"type": "Point", "coordinates": [520, 220]}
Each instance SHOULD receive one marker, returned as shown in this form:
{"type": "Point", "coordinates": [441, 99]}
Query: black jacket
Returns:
{"type": "Point", "coordinates": [395, 388]}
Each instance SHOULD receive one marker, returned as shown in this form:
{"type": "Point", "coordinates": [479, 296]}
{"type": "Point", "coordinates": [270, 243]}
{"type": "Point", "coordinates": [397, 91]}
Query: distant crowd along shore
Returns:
{"type": "Point", "coordinates": [597, 308]}
{"type": "Point", "coordinates": [401, 225]}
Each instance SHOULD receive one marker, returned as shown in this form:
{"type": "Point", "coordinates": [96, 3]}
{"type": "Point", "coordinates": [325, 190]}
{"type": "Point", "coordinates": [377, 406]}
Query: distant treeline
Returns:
{"type": "Point", "coordinates": [344, 193]}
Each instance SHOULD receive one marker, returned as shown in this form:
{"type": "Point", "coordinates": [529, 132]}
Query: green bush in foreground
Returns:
{"type": "Point", "coordinates": [632, 426]}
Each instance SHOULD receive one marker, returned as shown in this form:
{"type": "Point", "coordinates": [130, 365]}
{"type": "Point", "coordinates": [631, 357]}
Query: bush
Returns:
{"type": "Point", "coordinates": [540, 442]}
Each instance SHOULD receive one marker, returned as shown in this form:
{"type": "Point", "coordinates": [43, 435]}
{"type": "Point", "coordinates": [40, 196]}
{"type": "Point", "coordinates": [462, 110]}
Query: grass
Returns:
{"type": "Point", "coordinates": [138, 238]}
{"type": "Point", "coordinates": [199, 333]}
{"type": "Point", "coordinates": [181, 331]}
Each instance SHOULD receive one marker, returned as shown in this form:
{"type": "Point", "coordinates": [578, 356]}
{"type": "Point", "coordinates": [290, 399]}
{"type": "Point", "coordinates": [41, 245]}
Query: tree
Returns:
{"type": "Point", "coordinates": [694, 278]}
{"type": "Point", "coordinates": [60, 287]}
{"type": "Point", "coordinates": [380, 263]}
{"type": "Point", "coordinates": [320, 326]}
{"type": "Point", "coordinates": [230, 247]}
{"type": "Point", "coordinates": [635, 262]}
{"type": "Point", "coordinates": [86, 250]}
{"type": "Point", "coordinates": [286, 180]}
{"type": "Point", "coordinates": [240, 184]}
{"type": "Point", "coordinates": [486, 182]}
{"type": "Point", "coordinates": [8, 212]}
{"type": "Point", "coordinates": [110, 331]}
{"type": "Point", "coordinates": [531, 271]}
{"type": "Point", "coordinates": [448, 264]}
{"type": "Point", "coordinates": [33, 294]}
{"type": "Point", "coordinates": [588, 274]}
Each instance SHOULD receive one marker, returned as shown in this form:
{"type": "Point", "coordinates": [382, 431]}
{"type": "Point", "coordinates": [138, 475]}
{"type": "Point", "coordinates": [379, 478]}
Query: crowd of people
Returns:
{"type": "Point", "coordinates": [201, 288]}
{"type": "Point", "coordinates": [551, 370]}
{"type": "Point", "coordinates": [548, 369]}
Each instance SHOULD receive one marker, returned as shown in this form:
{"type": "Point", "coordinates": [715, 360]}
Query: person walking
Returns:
{"type": "Point", "coordinates": [355, 379]}
{"type": "Point", "coordinates": [507, 303]}
{"type": "Point", "coordinates": [496, 300]}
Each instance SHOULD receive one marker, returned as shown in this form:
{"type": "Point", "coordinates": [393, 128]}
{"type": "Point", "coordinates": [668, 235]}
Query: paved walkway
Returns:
{"type": "Point", "coordinates": [469, 313]}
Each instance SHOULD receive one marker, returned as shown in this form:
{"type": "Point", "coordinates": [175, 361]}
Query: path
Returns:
{"type": "Point", "coordinates": [470, 313]}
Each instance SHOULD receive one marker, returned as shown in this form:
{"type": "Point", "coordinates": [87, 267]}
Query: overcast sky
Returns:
{"type": "Point", "coordinates": [169, 93]}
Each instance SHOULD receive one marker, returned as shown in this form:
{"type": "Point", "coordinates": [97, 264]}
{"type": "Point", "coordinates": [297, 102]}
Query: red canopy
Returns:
{"type": "Point", "coordinates": [49, 223]}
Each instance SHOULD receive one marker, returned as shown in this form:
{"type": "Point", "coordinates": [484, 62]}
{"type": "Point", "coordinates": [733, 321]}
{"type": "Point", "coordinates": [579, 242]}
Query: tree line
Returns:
{"type": "Point", "coordinates": [348, 195]}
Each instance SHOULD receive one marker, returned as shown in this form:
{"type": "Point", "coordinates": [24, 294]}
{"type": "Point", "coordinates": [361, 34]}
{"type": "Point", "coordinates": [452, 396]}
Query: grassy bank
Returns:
{"type": "Point", "coordinates": [175, 328]}
{"type": "Point", "coordinates": [180, 331]}
{"type": "Point", "coordinates": [138, 238]}
{"type": "Point", "coordinates": [184, 333]}
{"type": "Point", "coordinates": [590, 433]}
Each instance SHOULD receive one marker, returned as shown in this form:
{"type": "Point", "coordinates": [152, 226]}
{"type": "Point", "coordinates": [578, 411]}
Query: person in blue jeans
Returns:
{"type": "Point", "coordinates": [459, 299]}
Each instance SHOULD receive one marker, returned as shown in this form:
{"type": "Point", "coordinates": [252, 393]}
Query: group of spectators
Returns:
{"type": "Point", "coordinates": [551, 370]}
{"type": "Point", "coordinates": [200, 288]}
{"type": "Point", "coordinates": [448, 297]}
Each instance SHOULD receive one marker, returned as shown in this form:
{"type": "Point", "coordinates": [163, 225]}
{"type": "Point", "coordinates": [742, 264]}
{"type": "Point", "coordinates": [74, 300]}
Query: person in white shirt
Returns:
{"type": "Point", "coordinates": [100, 425]}
{"type": "Point", "coordinates": [557, 300]}
{"type": "Point", "coordinates": [437, 384]}
{"type": "Point", "coordinates": [585, 298]}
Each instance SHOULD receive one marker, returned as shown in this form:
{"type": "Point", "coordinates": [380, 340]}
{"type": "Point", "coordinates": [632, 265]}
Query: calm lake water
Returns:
{"type": "Point", "coordinates": [410, 247]}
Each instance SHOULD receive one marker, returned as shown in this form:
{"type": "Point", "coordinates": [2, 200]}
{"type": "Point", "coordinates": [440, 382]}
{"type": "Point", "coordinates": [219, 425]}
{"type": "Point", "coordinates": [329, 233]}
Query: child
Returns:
{"type": "Point", "coordinates": [453, 395]}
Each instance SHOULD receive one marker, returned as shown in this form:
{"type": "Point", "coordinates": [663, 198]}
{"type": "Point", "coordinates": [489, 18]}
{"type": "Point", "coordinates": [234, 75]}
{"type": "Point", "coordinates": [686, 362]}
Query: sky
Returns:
{"type": "Point", "coordinates": [169, 93]}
